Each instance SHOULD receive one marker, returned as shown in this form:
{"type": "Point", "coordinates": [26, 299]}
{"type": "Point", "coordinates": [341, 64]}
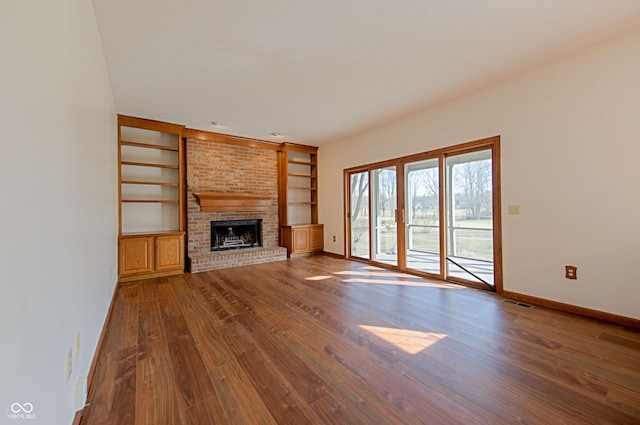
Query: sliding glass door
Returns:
{"type": "Point", "coordinates": [359, 215]}
{"type": "Point", "coordinates": [422, 215]}
{"type": "Point", "coordinates": [435, 214]}
{"type": "Point", "coordinates": [469, 215]}
{"type": "Point", "coordinates": [383, 205]}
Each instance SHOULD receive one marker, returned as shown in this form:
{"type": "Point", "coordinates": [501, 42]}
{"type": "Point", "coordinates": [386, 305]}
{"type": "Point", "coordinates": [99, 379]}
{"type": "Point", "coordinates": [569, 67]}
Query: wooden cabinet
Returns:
{"type": "Point", "coordinates": [303, 239]}
{"type": "Point", "coordinates": [169, 252]}
{"type": "Point", "coordinates": [151, 198]}
{"type": "Point", "coordinates": [151, 255]}
{"type": "Point", "coordinates": [298, 200]}
{"type": "Point", "coordinates": [316, 237]}
{"type": "Point", "coordinates": [136, 255]}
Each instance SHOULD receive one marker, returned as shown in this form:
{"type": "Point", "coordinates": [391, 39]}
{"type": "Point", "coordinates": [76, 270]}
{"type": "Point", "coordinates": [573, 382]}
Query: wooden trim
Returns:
{"type": "Point", "coordinates": [147, 124]}
{"type": "Point", "coordinates": [119, 178]}
{"type": "Point", "coordinates": [138, 234]}
{"type": "Point", "coordinates": [149, 146]}
{"type": "Point", "coordinates": [301, 188]}
{"type": "Point", "coordinates": [442, 205]}
{"type": "Point", "coordinates": [96, 354]}
{"type": "Point", "coordinates": [78, 417]}
{"type": "Point", "coordinates": [283, 195]}
{"type": "Point", "coordinates": [208, 136]}
{"type": "Point", "coordinates": [375, 165]}
{"type": "Point", "coordinates": [401, 230]}
{"type": "Point", "coordinates": [331, 254]}
{"type": "Point", "coordinates": [346, 210]}
{"type": "Point", "coordinates": [470, 283]}
{"type": "Point", "coordinates": [150, 183]}
{"type": "Point", "coordinates": [458, 149]}
{"type": "Point", "coordinates": [300, 148]}
{"type": "Point", "coordinates": [147, 164]}
{"type": "Point", "coordinates": [232, 202]}
{"type": "Point", "coordinates": [450, 150]}
{"type": "Point", "coordinates": [313, 158]}
{"type": "Point", "coordinates": [159, 201]}
{"type": "Point", "coordinates": [574, 309]}
{"type": "Point", "coordinates": [497, 215]}
{"type": "Point", "coordinates": [182, 188]}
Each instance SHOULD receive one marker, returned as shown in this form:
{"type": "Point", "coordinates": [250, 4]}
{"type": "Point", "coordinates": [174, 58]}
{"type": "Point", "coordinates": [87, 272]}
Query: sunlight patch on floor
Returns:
{"type": "Point", "coordinates": [318, 278]}
{"type": "Point", "coordinates": [423, 283]}
{"type": "Point", "coordinates": [409, 341]}
{"type": "Point", "coordinates": [377, 272]}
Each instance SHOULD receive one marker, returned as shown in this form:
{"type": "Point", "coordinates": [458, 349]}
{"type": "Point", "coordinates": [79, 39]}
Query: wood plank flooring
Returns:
{"type": "Point", "coordinates": [321, 340]}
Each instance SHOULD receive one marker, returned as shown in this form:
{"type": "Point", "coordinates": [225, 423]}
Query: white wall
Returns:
{"type": "Point", "coordinates": [58, 201]}
{"type": "Point", "coordinates": [570, 150]}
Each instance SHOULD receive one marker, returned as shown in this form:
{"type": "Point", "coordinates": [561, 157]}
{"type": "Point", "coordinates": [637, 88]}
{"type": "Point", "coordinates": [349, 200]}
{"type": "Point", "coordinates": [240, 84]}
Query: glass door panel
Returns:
{"type": "Point", "coordinates": [359, 214]}
{"type": "Point", "coordinates": [383, 220]}
{"type": "Point", "coordinates": [422, 216]}
{"type": "Point", "coordinates": [469, 215]}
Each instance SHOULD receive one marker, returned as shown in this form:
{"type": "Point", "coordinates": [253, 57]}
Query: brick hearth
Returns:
{"type": "Point", "coordinates": [228, 168]}
{"type": "Point", "coordinates": [241, 257]}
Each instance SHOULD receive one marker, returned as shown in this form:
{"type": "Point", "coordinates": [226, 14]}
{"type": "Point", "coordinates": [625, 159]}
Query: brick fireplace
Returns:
{"type": "Point", "coordinates": [230, 169]}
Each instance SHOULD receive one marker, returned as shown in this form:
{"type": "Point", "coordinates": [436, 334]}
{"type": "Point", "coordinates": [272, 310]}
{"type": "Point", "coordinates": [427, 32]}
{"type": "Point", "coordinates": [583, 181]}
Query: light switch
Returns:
{"type": "Point", "coordinates": [513, 209]}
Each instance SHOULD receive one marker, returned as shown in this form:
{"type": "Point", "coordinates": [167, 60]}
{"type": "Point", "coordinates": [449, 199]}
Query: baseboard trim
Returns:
{"type": "Point", "coordinates": [78, 417]}
{"type": "Point", "coordinates": [96, 354]}
{"type": "Point", "coordinates": [331, 254]}
{"type": "Point", "coordinates": [629, 322]}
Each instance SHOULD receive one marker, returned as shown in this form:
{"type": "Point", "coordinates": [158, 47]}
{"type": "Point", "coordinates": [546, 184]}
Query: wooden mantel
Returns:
{"type": "Point", "coordinates": [232, 202]}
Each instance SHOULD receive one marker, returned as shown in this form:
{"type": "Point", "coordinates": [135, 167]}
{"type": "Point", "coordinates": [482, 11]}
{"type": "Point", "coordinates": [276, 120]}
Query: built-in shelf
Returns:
{"type": "Point", "coordinates": [149, 145]}
{"type": "Point", "coordinates": [301, 188]}
{"type": "Point", "coordinates": [161, 201]}
{"type": "Point", "coordinates": [147, 164]}
{"type": "Point", "coordinates": [150, 183]}
{"type": "Point", "coordinates": [148, 234]}
{"type": "Point", "coordinates": [151, 195]}
{"type": "Point", "coordinates": [232, 202]}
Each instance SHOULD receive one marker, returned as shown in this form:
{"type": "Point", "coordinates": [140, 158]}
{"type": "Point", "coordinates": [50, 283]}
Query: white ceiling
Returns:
{"type": "Point", "coordinates": [318, 70]}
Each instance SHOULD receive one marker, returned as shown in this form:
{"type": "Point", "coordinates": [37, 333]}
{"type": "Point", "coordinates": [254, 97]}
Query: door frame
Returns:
{"type": "Point", "coordinates": [492, 143]}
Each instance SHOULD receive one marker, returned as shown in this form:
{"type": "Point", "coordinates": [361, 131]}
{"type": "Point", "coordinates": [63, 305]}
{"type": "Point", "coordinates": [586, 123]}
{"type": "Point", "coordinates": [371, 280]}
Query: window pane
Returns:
{"type": "Point", "coordinates": [359, 183]}
{"type": "Point", "coordinates": [422, 216]}
{"type": "Point", "coordinates": [385, 240]}
{"type": "Point", "coordinates": [470, 216]}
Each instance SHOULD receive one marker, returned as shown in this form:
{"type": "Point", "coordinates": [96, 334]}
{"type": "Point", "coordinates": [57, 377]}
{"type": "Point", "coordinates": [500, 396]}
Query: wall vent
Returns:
{"type": "Point", "coordinates": [518, 303]}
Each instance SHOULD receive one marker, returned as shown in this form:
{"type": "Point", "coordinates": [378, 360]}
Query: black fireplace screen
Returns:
{"type": "Point", "coordinates": [235, 234]}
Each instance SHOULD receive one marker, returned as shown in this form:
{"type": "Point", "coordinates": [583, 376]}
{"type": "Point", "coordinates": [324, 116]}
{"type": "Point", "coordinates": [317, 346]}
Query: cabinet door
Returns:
{"type": "Point", "coordinates": [136, 255]}
{"type": "Point", "coordinates": [169, 252]}
{"type": "Point", "coordinates": [300, 239]}
{"type": "Point", "coordinates": [316, 237]}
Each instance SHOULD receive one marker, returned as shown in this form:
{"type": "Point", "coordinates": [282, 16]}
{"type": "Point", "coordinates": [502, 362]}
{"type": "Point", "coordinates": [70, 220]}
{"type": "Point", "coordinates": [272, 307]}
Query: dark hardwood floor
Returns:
{"type": "Point", "coordinates": [326, 341]}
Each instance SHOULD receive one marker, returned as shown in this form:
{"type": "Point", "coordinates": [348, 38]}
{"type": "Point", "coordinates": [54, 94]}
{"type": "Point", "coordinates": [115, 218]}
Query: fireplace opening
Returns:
{"type": "Point", "coordinates": [235, 234]}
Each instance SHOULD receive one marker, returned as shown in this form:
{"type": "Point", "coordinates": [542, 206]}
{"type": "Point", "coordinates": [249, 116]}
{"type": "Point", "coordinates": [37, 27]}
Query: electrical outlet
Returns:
{"type": "Point", "coordinates": [334, 238]}
{"type": "Point", "coordinates": [571, 272]}
{"type": "Point", "coordinates": [77, 344]}
{"type": "Point", "coordinates": [69, 364]}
